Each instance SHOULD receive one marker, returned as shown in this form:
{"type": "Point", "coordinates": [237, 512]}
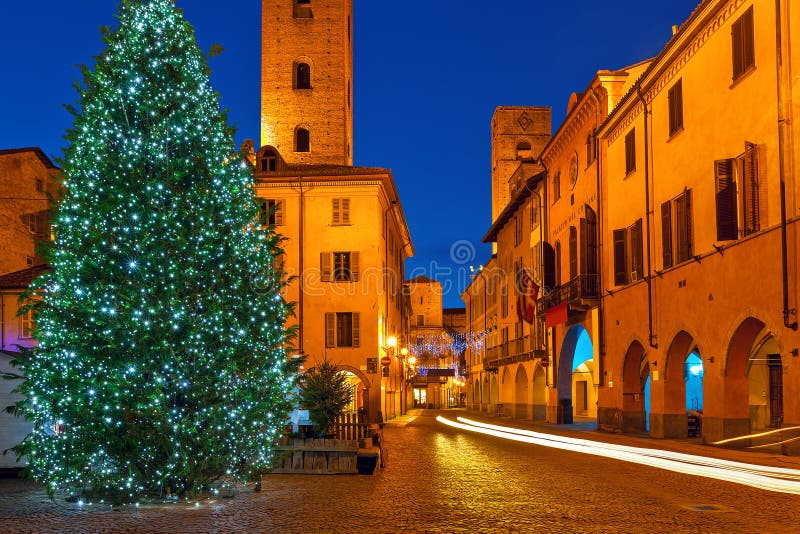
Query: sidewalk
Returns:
{"type": "Point", "coordinates": [587, 429]}
{"type": "Point", "coordinates": [403, 420]}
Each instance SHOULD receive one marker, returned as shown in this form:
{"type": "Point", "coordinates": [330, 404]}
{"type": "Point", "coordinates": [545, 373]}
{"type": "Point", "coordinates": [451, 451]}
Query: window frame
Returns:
{"type": "Point", "coordinates": [302, 144]}
{"type": "Point", "coordinates": [26, 323]}
{"type": "Point", "coordinates": [302, 80]}
{"type": "Point", "coordinates": [630, 152]}
{"type": "Point", "coordinates": [743, 45]}
{"type": "Point", "coordinates": [342, 329]}
{"type": "Point", "coordinates": [675, 106]}
{"type": "Point", "coordinates": [340, 211]}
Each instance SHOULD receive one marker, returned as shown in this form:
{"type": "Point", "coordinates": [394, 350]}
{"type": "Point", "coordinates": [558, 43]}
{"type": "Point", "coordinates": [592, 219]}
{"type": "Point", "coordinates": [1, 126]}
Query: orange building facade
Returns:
{"type": "Point", "coordinates": [668, 246]}
{"type": "Point", "coordinates": [699, 164]}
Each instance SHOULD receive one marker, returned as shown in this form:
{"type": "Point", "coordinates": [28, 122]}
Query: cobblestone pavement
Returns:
{"type": "Point", "coordinates": [439, 479]}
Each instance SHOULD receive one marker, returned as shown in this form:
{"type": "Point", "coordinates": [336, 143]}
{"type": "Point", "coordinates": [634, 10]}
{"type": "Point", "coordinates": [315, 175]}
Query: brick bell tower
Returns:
{"type": "Point", "coordinates": [306, 80]}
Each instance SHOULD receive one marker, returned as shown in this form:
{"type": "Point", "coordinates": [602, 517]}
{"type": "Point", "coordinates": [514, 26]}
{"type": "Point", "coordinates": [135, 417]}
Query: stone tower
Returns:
{"type": "Point", "coordinates": [519, 133]}
{"type": "Point", "coordinates": [306, 80]}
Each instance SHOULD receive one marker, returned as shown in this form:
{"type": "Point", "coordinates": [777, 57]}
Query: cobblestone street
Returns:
{"type": "Point", "coordinates": [439, 479]}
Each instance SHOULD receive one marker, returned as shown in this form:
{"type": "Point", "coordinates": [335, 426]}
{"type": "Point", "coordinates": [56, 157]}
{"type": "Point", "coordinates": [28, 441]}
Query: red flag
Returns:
{"type": "Point", "coordinates": [527, 292]}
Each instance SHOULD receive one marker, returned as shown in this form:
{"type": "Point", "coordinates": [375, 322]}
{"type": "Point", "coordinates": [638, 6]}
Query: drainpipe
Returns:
{"type": "Point", "coordinates": [542, 233]}
{"type": "Point", "coordinates": [787, 312]}
{"type": "Point", "coordinates": [301, 262]}
{"type": "Point", "coordinates": [647, 278]}
{"type": "Point", "coordinates": [601, 334]}
{"type": "Point", "coordinates": [2, 322]}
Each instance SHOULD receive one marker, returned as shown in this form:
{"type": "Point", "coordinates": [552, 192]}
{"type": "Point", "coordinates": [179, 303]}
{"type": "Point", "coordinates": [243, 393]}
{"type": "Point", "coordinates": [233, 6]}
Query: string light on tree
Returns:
{"type": "Point", "coordinates": [160, 365]}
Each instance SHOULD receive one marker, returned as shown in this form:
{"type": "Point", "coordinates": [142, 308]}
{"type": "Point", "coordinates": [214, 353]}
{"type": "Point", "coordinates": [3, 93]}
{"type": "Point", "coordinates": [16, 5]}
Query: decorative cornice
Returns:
{"type": "Point", "coordinates": [675, 61]}
{"type": "Point", "coordinates": [565, 137]}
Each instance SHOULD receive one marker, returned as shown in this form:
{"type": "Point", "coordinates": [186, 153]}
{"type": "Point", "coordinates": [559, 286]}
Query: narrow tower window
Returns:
{"type": "Point", "coordinates": [302, 140]}
{"type": "Point", "coordinates": [302, 76]}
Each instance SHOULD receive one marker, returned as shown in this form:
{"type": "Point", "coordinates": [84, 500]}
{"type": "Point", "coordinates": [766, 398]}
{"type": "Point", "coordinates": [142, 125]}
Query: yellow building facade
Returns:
{"type": "Point", "coordinates": [346, 237]}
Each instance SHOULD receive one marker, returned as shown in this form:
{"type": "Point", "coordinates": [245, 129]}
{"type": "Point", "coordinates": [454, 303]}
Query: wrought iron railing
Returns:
{"type": "Point", "coordinates": [585, 286]}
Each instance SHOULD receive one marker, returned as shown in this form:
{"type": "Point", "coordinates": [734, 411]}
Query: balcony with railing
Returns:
{"type": "Point", "coordinates": [516, 350]}
{"type": "Point", "coordinates": [582, 292]}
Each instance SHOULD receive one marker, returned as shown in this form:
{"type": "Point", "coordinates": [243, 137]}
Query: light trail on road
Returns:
{"type": "Point", "coordinates": [763, 477]}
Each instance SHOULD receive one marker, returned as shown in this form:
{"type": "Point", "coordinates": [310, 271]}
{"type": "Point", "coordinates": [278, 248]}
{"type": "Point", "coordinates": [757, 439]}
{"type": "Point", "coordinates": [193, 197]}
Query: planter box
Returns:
{"type": "Point", "coordinates": [317, 456]}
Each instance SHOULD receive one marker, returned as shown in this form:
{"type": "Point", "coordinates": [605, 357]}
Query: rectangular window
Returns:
{"type": "Point", "coordinates": [727, 216]}
{"type": "Point", "coordinates": [738, 194]}
{"type": "Point", "coordinates": [339, 266]}
{"type": "Point", "coordinates": [666, 234]}
{"type": "Point", "coordinates": [270, 212]}
{"type": "Point", "coordinates": [557, 186]}
{"type": "Point", "coordinates": [743, 44]}
{"type": "Point", "coordinates": [342, 329]}
{"type": "Point", "coordinates": [518, 229]}
{"type": "Point", "coordinates": [682, 214]}
{"type": "Point", "coordinates": [675, 99]}
{"type": "Point", "coordinates": [620, 257]}
{"type": "Point", "coordinates": [628, 254]}
{"type": "Point", "coordinates": [591, 148]}
{"type": "Point", "coordinates": [420, 320]}
{"type": "Point", "coordinates": [630, 152]}
{"type": "Point", "coordinates": [302, 9]}
{"type": "Point", "coordinates": [341, 211]}
{"type": "Point", "coordinates": [38, 224]}
{"type": "Point", "coordinates": [637, 254]}
{"type": "Point", "coordinates": [26, 325]}
{"type": "Point", "coordinates": [39, 185]}
{"type": "Point", "coordinates": [534, 212]}
{"type": "Point", "coordinates": [751, 189]}
{"type": "Point", "coordinates": [573, 252]}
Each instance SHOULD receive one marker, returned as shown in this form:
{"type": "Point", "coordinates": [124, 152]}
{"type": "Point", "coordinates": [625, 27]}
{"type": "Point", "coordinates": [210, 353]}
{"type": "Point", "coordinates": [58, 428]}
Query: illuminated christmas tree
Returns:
{"type": "Point", "coordinates": [160, 364]}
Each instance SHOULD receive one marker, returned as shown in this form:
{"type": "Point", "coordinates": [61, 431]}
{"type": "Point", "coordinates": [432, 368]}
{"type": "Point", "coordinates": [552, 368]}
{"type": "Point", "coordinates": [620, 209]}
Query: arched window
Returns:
{"type": "Point", "coordinates": [524, 150]}
{"type": "Point", "coordinates": [302, 76]}
{"type": "Point", "coordinates": [302, 140]}
{"type": "Point", "coordinates": [268, 161]}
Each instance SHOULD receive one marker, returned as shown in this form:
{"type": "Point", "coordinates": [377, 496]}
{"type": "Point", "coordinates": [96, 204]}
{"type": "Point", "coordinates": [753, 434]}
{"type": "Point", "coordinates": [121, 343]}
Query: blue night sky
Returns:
{"type": "Point", "coordinates": [428, 76]}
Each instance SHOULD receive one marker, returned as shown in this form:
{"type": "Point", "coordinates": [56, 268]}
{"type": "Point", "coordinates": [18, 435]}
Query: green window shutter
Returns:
{"type": "Point", "coordinates": [620, 263]}
{"type": "Point", "coordinates": [356, 330]}
{"type": "Point", "coordinates": [666, 234]}
{"type": "Point", "coordinates": [727, 223]}
{"type": "Point", "coordinates": [354, 266]}
{"type": "Point", "coordinates": [325, 266]}
{"type": "Point", "coordinates": [330, 329]}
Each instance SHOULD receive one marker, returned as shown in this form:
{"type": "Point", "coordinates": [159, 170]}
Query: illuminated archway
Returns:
{"type": "Point", "coordinates": [635, 394]}
{"type": "Point", "coordinates": [753, 380]}
{"type": "Point", "coordinates": [673, 421]}
{"type": "Point", "coordinates": [576, 390]}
